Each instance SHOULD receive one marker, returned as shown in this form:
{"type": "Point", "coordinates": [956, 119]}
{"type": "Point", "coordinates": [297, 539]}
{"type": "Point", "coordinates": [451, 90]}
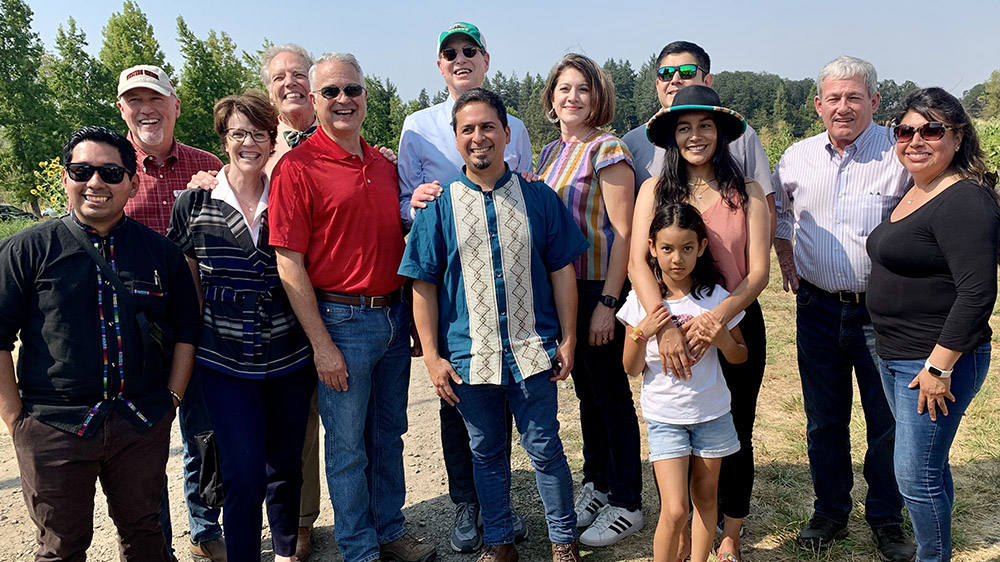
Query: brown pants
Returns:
{"type": "Point", "coordinates": [59, 472]}
{"type": "Point", "coordinates": [309, 502]}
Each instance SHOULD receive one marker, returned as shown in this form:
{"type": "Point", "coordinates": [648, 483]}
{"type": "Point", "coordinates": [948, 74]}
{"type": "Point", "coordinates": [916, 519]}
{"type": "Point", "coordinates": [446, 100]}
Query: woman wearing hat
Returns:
{"type": "Point", "coordinates": [592, 172]}
{"type": "Point", "coordinates": [698, 170]}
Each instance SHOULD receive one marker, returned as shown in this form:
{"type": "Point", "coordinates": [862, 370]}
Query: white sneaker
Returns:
{"type": "Point", "coordinates": [613, 524]}
{"type": "Point", "coordinates": [588, 503]}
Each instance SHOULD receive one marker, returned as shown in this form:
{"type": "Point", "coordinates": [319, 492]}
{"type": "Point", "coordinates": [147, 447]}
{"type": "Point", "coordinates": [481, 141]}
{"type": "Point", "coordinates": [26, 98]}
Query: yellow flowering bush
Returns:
{"type": "Point", "coordinates": [49, 189]}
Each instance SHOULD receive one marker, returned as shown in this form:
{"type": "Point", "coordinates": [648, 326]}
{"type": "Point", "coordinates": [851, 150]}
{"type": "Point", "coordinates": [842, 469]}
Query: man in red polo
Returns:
{"type": "Point", "coordinates": [335, 225]}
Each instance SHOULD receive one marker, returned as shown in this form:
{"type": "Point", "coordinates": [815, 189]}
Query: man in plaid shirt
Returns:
{"type": "Point", "coordinates": [149, 106]}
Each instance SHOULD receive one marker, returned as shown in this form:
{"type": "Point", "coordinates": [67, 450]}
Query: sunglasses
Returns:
{"type": "Point", "coordinates": [352, 91]}
{"type": "Point", "coordinates": [239, 135]}
{"type": "Point", "coordinates": [930, 131]}
{"type": "Point", "coordinates": [666, 73]}
{"type": "Point", "coordinates": [110, 173]}
{"type": "Point", "coordinates": [469, 51]}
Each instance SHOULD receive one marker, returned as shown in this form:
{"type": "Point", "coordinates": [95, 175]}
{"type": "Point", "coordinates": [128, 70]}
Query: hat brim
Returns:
{"type": "Point", "coordinates": [150, 85]}
{"type": "Point", "coordinates": [662, 125]}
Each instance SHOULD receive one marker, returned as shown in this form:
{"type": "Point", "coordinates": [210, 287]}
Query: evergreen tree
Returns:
{"type": "Point", "coordinates": [83, 89]}
{"type": "Point", "coordinates": [28, 128]}
{"type": "Point", "coordinates": [212, 70]}
{"type": "Point", "coordinates": [129, 40]}
{"type": "Point", "coordinates": [989, 100]}
{"type": "Point", "coordinates": [644, 98]}
{"type": "Point", "coordinates": [623, 77]}
{"type": "Point", "coordinates": [423, 100]}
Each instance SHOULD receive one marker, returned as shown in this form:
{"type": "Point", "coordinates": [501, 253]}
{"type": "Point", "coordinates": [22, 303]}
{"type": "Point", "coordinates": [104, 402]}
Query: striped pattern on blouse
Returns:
{"type": "Point", "coordinates": [249, 329]}
{"type": "Point", "coordinates": [831, 202]}
{"type": "Point", "coordinates": [571, 169]}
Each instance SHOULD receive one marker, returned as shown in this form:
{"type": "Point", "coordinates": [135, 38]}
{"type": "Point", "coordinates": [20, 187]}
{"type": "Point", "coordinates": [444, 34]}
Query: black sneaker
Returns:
{"type": "Point", "coordinates": [821, 533]}
{"type": "Point", "coordinates": [892, 545]}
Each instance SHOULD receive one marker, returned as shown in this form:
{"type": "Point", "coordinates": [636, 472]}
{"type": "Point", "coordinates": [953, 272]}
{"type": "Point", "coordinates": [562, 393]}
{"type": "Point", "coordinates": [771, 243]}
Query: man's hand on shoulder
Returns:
{"type": "Point", "coordinates": [204, 180]}
{"type": "Point", "coordinates": [387, 153]}
{"type": "Point", "coordinates": [529, 176]}
{"type": "Point", "coordinates": [425, 192]}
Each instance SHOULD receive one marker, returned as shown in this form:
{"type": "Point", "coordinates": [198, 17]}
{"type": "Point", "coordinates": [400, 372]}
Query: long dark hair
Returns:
{"type": "Point", "coordinates": [704, 277]}
{"type": "Point", "coordinates": [673, 184]}
{"type": "Point", "coordinates": [936, 104]}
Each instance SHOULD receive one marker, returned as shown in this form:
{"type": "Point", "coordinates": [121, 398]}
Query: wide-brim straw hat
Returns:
{"type": "Point", "coordinates": [693, 98]}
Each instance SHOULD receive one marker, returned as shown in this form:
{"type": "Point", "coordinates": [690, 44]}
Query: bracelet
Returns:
{"type": "Point", "coordinates": [174, 394]}
{"type": "Point", "coordinates": [637, 335]}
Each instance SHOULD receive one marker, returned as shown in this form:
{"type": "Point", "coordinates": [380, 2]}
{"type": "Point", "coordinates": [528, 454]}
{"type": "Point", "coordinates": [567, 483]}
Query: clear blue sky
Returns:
{"type": "Point", "coordinates": [954, 44]}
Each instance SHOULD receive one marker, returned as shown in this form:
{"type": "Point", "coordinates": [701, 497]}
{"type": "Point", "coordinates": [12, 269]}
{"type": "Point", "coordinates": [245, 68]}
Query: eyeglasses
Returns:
{"type": "Point", "coordinates": [666, 73]}
{"type": "Point", "coordinates": [930, 131]}
{"type": "Point", "coordinates": [239, 135]}
{"type": "Point", "coordinates": [469, 51]}
{"type": "Point", "coordinates": [352, 91]}
{"type": "Point", "coordinates": [110, 173]}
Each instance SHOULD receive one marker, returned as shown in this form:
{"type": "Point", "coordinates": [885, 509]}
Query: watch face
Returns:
{"type": "Point", "coordinates": [609, 301]}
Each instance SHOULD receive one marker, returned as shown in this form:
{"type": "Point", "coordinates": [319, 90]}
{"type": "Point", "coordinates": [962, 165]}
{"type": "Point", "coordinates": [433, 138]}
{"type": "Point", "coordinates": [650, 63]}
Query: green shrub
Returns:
{"type": "Point", "coordinates": [13, 226]}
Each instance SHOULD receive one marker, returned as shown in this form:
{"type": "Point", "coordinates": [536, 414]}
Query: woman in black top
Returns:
{"type": "Point", "coordinates": [253, 357]}
{"type": "Point", "coordinates": [931, 292]}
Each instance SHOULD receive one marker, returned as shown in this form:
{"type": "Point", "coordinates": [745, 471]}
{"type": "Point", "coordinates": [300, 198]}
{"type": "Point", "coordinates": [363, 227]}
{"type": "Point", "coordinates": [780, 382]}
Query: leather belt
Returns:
{"type": "Point", "coordinates": [379, 301]}
{"type": "Point", "coordinates": [844, 297]}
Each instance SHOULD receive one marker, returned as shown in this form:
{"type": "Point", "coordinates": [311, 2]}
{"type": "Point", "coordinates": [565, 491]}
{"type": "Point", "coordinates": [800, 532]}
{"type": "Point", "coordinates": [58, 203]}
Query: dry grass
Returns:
{"type": "Point", "coordinates": [782, 500]}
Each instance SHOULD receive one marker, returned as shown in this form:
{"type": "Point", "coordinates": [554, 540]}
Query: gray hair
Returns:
{"type": "Point", "coordinates": [845, 68]}
{"type": "Point", "coordinates": [275, 50]}
{"type": "Point", "coordinates": [346, 58]}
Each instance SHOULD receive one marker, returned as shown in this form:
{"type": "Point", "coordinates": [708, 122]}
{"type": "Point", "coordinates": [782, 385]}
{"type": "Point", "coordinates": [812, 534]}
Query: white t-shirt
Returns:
{"type": "Point", "coordinates": [667, 399]}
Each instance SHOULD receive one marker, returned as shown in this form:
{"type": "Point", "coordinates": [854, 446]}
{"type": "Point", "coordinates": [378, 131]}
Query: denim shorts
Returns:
{"type": "Point", "coordinates": [713, 439]}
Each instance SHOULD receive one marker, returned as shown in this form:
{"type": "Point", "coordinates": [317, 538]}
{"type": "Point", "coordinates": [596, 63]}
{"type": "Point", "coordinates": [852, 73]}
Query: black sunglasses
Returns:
{"type": "Point", "coordinates": [110, 173]}
{"type": "Point", "coordinates": [687, 71]}
{"type": "Point", "coordinates": [352, 91]}
{"type": "Point", "coordinates": [469, 51]}
{"type": "Point", "coordinates": [930, 131]}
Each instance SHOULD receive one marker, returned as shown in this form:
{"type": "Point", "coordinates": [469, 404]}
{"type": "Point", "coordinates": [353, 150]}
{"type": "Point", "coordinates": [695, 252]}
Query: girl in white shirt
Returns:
{"type": "Point", "coordinates": [689, 423]}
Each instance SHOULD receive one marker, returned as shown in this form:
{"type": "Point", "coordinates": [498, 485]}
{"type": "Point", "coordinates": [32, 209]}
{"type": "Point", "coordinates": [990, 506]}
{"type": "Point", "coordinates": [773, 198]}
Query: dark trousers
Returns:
{"type": "Point", "coordinates": [743, 380]}
{"type": "Point", "coordinates": [59, 473]}
{"type": "Point", "coordinates": [610, 428]}
{"type": "Point", "coordinates": [834, 338]}
{"type": "Point", "coordinates": [458, 455]}
{"type": "Point", "coordinates": [260, 426]}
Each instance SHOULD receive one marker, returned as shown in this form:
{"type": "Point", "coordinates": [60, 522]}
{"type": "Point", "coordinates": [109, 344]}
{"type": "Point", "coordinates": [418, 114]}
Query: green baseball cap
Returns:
{"type": "Point", "coordinates": [465, 29]}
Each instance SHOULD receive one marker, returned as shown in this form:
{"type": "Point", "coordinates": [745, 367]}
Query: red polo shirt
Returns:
{"type": "Point", "coordinates": [342, 213]}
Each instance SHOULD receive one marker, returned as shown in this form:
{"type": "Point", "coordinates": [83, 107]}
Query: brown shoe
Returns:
{"type": "Point", "coordinates": [499, 553]}
{"type": "Point", "coordinates": [406, 549]}
{"type": "Point", "coordinates": [303, 543]}
{"type": "Point", "coordinates": [214, 550]}
{"type": "Point", "coordinates": [565, 552]}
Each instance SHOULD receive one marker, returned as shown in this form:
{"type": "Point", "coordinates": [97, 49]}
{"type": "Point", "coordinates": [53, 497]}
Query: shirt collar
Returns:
{"type": "Point", "coordinates": [328, 146]}
{"type": "Point", "coordinates": [92, 231]}
{"type": "Point", "coordinates": [143, 158]}
{"type": "Point", "coordinates": [500, 182]}
{"type": "Point", "coordinates": [859, 143]}
{"type": "Point", "coordinates": [224, 192]}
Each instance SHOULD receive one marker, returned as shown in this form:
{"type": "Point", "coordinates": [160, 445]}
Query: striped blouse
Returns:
{"type": "Point", "coordinates": [249, 329]}
{"type": "Point", "coordinates": [571, 168]}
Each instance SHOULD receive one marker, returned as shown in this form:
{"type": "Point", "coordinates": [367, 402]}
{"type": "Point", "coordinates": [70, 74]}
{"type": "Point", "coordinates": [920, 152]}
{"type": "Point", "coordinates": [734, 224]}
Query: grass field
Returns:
{"type": "Point", "coordinates": [782, 500]}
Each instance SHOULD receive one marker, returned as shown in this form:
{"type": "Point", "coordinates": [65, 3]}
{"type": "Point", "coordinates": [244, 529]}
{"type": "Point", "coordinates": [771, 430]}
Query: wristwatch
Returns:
{"type": "Point", "coordinates": [609, 301]}
{"type": "Point", "coordinates": [939, 373]}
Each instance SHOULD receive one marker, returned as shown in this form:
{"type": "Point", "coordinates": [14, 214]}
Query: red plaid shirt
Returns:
{"type": "Point", "coordinates": [159, 186]}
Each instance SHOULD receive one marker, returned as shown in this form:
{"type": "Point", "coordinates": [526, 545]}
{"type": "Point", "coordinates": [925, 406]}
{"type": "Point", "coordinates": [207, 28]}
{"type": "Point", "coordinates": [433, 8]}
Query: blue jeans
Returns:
{"type": "Point", "coordinates": [832, 339]}
{"type": "Point", "coordinates": [534, 404]}
{"type": "Point", "coordinates": [203, 521]}
{"type": "Point", "coordinates": [365, 426]}
{"type": "Point", "coordinates": [922, 447]}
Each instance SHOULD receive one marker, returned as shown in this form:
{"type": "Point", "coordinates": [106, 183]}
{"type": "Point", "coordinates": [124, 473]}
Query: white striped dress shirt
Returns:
{"type": "Point", "coordinates": [832, 201]}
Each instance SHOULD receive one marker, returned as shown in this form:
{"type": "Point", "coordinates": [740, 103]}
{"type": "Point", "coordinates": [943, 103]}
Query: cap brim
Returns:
{"type": "Point", "coordinates": [662, 124]}
{"type": "Point", "coordinates": [150, 85]}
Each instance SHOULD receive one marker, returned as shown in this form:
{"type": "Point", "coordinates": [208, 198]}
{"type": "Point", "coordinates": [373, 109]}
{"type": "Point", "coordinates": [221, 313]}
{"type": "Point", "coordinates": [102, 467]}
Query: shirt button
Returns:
{"type": "Point", "coordinates": [838, 222]}
{"type": "Point", "coordinates": [369, 181]}
{"type": "Point", "coordinates": [164, 202]}
{"type": "Point", "coordinates": [498, 275]}
{"type": "Point", "coordinates": [502, 313]}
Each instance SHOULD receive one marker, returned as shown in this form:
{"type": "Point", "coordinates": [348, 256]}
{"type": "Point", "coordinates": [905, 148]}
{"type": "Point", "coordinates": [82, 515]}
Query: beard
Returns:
{"type": "Point", "coordinates": [482, 164]}
{"type": "Point", "coordinates": [150, 138]}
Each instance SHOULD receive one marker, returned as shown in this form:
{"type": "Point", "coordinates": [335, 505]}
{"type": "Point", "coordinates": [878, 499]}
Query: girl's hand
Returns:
{"type": "Point", "coordinates": [933, 393]}
{"type": "Point", "coordinates": [654, 321]}
{"type": "Point", "coordinates": [602, 325]}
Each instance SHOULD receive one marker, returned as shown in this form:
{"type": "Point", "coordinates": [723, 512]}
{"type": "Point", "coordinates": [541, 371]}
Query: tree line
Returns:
{"type": "Point", "coordinates": [46, 94]}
